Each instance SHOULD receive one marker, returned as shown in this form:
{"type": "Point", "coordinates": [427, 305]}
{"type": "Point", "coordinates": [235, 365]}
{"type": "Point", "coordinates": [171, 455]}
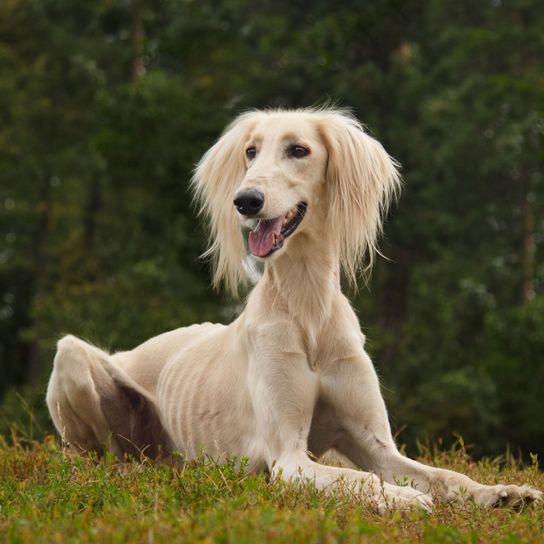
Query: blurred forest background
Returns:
{"type": "Point", "coordinates": [106, 105]}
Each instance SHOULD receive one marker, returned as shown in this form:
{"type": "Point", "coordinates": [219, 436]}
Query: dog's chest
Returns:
{"type": "Point", "coordinates": [328, 344]}
{"type": "Point", "coordinates": [330, 336]}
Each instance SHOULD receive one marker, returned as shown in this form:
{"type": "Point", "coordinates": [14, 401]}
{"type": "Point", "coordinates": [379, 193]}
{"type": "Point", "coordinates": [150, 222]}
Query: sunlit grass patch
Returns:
{"type": "Point", "coordinates": [48, 494]}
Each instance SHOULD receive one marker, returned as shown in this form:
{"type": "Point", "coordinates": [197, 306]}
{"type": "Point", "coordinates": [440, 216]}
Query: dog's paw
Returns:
{"type": "Point", "coordinates": [515, 496]}
{"type": "Point", "coordinates": [396, 498]}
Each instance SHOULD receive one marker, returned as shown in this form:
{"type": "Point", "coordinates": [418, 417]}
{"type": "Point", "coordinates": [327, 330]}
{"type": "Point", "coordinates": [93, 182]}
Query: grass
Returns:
{"type": "Point", "coordinates": [48, 494]}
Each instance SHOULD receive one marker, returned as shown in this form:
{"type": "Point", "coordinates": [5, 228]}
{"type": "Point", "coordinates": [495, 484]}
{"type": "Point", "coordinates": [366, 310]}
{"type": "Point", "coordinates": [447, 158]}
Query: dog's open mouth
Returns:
{"type": "Point", "coordinates": [269, 234]}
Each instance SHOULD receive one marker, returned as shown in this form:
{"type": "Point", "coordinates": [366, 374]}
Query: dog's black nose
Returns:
{"type": "Point", "coordinates": [249, 202]}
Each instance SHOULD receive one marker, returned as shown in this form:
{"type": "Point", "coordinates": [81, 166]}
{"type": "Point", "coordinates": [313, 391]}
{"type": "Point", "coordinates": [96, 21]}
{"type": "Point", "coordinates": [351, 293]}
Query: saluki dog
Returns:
{"type": "Point", "coordinates": [289, 378]}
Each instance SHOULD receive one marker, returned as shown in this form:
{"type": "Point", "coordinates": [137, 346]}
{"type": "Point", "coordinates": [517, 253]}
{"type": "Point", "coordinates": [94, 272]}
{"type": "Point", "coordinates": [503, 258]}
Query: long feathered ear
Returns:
{"type": "Point", "coordinates": [214, 182]}
{"type": "Point", "coordinates": [361, 181]}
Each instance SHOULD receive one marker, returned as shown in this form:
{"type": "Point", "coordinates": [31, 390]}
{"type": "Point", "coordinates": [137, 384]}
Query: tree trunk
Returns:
{"type": "Point", "coordinates": [94, 204]}
{"type": "Point", "coordinates": [528, 248]}
{"type": "Point", "coordinates": [34, 372]}
{"type": "Point", "coordinates": [137, 38]}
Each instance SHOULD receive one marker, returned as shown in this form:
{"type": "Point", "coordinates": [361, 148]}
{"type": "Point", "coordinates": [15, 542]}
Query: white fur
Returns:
{"type": "Point", "coordinates": [290, 374]}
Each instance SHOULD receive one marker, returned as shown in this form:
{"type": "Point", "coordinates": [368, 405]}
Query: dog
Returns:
{"type": "Point", "coordinates": [289, 379]}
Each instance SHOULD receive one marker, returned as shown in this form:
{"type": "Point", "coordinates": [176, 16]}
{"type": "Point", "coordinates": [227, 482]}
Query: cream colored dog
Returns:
{"type": "Point", "coordinates": [290, 375]}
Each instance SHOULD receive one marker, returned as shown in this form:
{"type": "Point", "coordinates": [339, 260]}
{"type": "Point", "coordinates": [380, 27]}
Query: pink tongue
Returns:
{"type": "Point", "coordinates": [261, 240]}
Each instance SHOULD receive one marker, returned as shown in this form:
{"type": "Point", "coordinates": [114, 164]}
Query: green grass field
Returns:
{"type": "Point", "coordinates": [48, 494]}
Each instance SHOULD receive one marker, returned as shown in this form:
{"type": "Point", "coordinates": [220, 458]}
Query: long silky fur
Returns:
{"type": "Point", "coordinates": [362, 179]}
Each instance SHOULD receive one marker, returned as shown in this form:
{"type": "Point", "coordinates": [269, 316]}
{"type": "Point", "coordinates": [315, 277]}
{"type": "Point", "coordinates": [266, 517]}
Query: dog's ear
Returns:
{"type": "Point", "coordinates": [214, 183]}
{"type": "Point", "coordinates": [361, 180]}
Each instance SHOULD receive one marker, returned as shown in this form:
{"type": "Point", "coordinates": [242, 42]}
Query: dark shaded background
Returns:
{"type": "Point", "coordinates": [106, 105]}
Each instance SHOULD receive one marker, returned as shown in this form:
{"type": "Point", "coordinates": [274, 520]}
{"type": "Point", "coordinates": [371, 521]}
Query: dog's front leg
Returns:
{"type": "Point", "coordinates": [351, 387]}
{"type": "Point", "coordinates": [284, 392]}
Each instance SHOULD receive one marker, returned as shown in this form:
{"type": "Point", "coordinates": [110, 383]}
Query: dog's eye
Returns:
{"type": "Point", "coordinates": [297, 151]}
{"type": "Point", "coordinates": [251, 152]}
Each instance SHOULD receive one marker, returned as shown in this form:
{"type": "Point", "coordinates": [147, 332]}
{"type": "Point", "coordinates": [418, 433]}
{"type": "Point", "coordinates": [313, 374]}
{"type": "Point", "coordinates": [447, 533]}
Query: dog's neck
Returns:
{"type": "Point", "coordinates": [304, 280]}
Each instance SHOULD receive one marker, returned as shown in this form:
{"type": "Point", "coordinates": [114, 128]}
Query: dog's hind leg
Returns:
{"type": "Point", "coordinates": [94, 404]}
{"type": "Point", "coordinates": [73, 395]}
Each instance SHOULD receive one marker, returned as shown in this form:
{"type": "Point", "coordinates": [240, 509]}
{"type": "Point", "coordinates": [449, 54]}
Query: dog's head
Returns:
{"type": "Point", "coordinates": [286, 172]}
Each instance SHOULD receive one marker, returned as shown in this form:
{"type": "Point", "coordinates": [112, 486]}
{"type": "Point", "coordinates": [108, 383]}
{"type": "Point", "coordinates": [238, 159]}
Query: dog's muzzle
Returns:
{"type": "Point", "coordinates": [269, 234]}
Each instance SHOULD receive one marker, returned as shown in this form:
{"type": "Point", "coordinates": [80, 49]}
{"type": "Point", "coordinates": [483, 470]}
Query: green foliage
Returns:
{"type": "Point", "coordinates": [515, 341]}
{"type": "Point", "coordinates": [98, 236]}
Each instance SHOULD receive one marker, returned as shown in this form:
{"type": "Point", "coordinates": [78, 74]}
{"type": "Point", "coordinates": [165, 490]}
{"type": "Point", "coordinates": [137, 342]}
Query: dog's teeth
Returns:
{"type": "Point", "coordinates": [289, 216]}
